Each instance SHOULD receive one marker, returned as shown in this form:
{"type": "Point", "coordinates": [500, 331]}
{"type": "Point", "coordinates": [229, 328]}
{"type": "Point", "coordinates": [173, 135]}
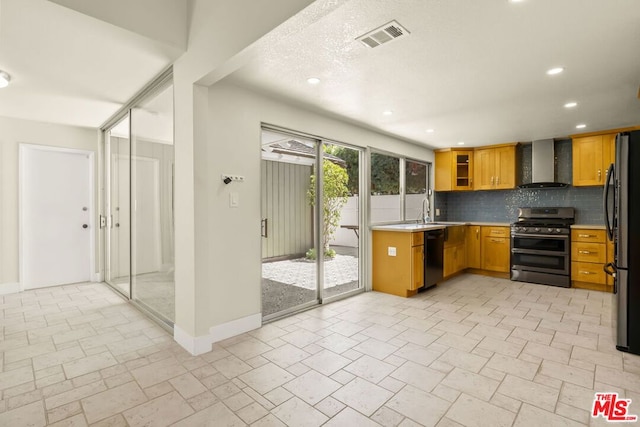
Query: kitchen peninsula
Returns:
{"type": "Point", "coordinates": [406, 258]}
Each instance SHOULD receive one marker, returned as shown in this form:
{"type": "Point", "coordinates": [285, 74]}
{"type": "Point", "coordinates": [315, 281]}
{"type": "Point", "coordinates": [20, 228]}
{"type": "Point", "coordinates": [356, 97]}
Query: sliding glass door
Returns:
{"type": "Point", "coordinates": [341, 222]}
{"type": "Point", "coordinates": [289, 267]}
{"type": "Point", "coordinates": [310, 222]}
{"type": "Point", "coordinates": [139, 165]}
{"type": "Point", "coordinates": [118, 184]}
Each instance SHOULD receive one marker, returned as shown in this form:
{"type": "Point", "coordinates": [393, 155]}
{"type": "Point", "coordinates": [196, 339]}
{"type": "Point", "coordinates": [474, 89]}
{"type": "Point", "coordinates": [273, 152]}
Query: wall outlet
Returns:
{"type": "Point", "coordinates": [437, 212]}
{"type": "Point", "coordinates": [237, 178]}
{"type": "Point", "coordinates": [391, 251]}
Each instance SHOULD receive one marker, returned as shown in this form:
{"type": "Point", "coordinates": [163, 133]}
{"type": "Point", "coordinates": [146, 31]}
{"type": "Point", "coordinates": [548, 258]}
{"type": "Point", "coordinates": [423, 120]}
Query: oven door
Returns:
{"type": "Point", "coordinates": [540, 253]}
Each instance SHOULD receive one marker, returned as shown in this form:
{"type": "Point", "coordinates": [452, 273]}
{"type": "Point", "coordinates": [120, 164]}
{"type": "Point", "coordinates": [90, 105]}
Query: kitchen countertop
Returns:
{"type": "Point", "coordinates": [589, 226]}
{"type": "Point", "coordinates": [436, 225]}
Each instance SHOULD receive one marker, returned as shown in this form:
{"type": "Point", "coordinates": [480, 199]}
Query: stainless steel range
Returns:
{"type": "Point", "coordinates": [541, 246]}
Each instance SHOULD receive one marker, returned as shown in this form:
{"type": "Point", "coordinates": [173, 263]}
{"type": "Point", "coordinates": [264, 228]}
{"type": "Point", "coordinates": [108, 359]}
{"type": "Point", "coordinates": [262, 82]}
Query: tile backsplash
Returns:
{"type": "Point", "coordinates": [502, 205]}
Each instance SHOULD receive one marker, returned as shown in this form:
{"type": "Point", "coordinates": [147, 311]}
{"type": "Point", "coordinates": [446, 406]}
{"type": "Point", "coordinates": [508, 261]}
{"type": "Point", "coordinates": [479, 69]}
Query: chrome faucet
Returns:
{"type": "Point", "coordinates": [426, 210]}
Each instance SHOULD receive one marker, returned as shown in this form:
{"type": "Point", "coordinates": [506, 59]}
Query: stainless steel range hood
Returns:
{"type": "Point", "coordinates": [543, 166]}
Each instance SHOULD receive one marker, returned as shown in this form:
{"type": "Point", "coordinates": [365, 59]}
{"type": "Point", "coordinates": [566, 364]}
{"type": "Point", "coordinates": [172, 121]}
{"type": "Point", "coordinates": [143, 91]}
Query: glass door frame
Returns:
{"type": "Point", "coordinates": [316, 228]}
{"type": "Point", "coordinates": [318, 218]}
{"type": "Point", "coordinates": [153, 88]}
{"type": "Point", "coordinates": [108, 217]}
{"type": "Point", "coordinates": [361, 221]}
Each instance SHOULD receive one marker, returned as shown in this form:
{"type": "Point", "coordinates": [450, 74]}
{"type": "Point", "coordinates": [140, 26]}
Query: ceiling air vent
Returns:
{"type": "Point", "coordinates": [389, 31]}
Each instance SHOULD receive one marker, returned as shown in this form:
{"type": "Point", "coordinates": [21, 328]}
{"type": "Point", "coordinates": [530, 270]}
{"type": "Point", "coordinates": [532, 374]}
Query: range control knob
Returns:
{"type": "Point", "coordinates": [558, 230]}
{"type": "Point", "coordinates": [537, 230]}
{"type": "Point", "coordinates": [550, 230]}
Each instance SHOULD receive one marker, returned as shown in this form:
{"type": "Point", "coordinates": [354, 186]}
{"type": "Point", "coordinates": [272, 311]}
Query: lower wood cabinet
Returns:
{"type": "Point", "coordinates": [455, 253]}
{"type": "Point", "coordinates": [495, 249]}
{"type": "Point", "coordinates": [473, 243]}
{"type": "Point", "coordinates": [398, 262]}
{"type": "Point", "coordinates": [590, 251]}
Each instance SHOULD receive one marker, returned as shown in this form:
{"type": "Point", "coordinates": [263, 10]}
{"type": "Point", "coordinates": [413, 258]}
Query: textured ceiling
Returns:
{"type": "Point", "coordinates": [474, 71]}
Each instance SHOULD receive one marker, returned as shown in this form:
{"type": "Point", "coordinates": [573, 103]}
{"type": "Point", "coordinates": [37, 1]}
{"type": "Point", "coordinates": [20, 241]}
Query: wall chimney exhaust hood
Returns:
{"type": "Point", "coordinates": [543, 166]}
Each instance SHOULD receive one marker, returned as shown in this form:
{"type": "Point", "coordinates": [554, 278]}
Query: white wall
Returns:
{"type": "Point", "coordinates": [13, 132]}
{"type": "Point", "coordinates": [227, 250]}
{"type": "Point", "coordinates": [218, 32]}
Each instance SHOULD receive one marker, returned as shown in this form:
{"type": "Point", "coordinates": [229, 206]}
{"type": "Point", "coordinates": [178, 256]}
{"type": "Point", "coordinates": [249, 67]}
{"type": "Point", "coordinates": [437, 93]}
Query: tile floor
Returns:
{"type": "Point", "coordinates": [475, 351]}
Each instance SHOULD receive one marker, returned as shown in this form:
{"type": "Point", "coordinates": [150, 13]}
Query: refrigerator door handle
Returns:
{"type": "Point", "coordinates": [610, 177]}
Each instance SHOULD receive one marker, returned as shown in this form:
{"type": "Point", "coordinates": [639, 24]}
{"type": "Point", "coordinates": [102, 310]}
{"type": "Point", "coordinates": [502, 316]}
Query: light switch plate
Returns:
{"type": "Point", "coordinates": [437, 212]}
{"type": "Point", "coordinates": [234, 199]}
{"type": "Point", "coordinates": [391, 251]}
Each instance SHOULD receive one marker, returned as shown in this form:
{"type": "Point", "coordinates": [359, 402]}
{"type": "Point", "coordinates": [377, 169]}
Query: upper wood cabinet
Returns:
{"type": "Point", "coordinates": [454, 170]}
{"type": "Point", "coordinates": [495, 167]}
{"type": "Point", "coordinates": [592, 155]}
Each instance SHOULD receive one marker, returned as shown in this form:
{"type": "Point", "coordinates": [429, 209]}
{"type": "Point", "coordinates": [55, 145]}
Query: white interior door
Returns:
{"type": "Point", "coordinates": [56, 227]}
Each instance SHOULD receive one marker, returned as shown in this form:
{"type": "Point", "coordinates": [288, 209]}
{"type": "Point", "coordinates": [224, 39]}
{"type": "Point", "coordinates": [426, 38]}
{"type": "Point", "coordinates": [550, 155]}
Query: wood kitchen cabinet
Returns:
{"type": "Point", "coordinates": [590, 251]}
{"type": "Point", "coordinates": [453, 170]}
{"type": "Point", "coordinates": [496, 249]}
{"type": "Point", "coordinates": [495, 167]}
{"type": "Point", "coordinates": [398, 262]}
{"type": "Point", "coordinates": [455, 254]}
{"type": "Point", "coordinates": [592, 156]}
{"type": "Point", "coordinates": [473, 244]}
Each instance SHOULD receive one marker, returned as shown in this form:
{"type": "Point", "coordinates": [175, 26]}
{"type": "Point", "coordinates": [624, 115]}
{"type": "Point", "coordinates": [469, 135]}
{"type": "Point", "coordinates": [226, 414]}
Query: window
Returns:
{"type": "Point", "coordinates": [389, 176]}
{"type": "Point", "coordinates": [416, 184]}
{"type": "Point", "coordinates": [385, 188]}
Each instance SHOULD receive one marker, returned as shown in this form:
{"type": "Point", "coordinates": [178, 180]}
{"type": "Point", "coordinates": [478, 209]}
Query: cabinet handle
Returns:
{"type": "Point", "coordinates": [587, 272]}
{"type": "Point", "coordinates": [491, 180]}
{"type": "Point", "coordinates": [599, 175]}
{"type": "Point", "coordinates": [497, 180]}
{"type": "Point", "coordinates": [478, 233]}
{"type": "Point", "coordinates": [586, 235]}
{"type": "Point", "coordinates": [497, 240]}
{"type": "Point", "coordinates": [584, 252]}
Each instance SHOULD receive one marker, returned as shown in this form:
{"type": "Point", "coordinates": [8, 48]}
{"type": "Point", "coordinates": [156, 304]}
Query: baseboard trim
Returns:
{"type": "Point", "coordinates": [202, 344]}
{"type": "Point", "coordinates": [10, 288]}
{"type": "Point", "coordinates": [97, 277]}
{"type": "Point", "coordinates": [235, 327]}
{"type": "Point", "coordinates": [194, 345]}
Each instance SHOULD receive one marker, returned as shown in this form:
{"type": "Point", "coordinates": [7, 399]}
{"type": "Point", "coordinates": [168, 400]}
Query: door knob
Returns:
{"type": "Point", "coordinates": [84, 226]}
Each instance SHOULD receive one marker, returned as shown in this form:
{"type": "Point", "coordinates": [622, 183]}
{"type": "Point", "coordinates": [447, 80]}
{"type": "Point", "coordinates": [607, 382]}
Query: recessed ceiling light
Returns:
{"type": "Point", "coordinates": [5, 78]}
{"type": "Point", "coordinates": [313, 80]}
{"type": "Point", "coordinates": [556, 70]}
{"type": "Point", "coordinates": [516, 1]}
{"type": "Point", "coordinates": [570, 104]}
{"type": "Point", "coordinates": [581, 126]}
{"type": "Point", "coordinates": [429, 130]}
{"type": "Point", "coordinates": [461, 143]}
{"type": "Point", "coordinates": [387, 112]}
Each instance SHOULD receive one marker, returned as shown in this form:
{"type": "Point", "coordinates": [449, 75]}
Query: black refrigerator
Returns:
{"type": "Point", "coordinates": [622, 219]}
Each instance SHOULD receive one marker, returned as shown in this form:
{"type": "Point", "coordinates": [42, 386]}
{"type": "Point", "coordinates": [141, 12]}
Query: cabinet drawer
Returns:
{"type": "Point", "coordinates": [495, 231]}
{"type": "Point", "coordinates": [417, 239]}
{"type": "Point", "coordinates": [588, 272]}
{"type": "Point", "coordinates": [593, 236]}
{"type": "Point", "coordinates": [588, 252]}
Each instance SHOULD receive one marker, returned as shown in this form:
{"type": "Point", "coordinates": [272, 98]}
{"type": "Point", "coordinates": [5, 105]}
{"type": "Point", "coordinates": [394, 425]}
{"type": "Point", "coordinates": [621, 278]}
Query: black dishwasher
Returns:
{"type": "Point", "coordinates": [434, 257]}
